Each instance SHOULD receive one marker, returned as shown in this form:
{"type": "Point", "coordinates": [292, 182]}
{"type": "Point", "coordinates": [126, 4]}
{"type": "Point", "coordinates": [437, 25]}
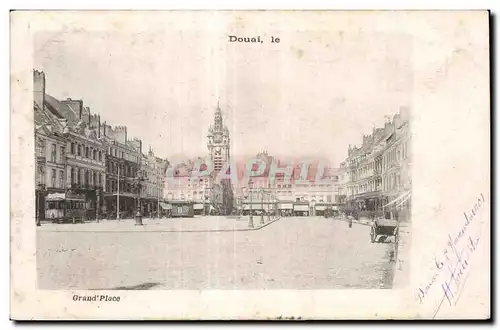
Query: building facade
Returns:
{"type": "Point", "coordinates": [124, 177]}
{"type": "Point", "coordinates": [74, 162]}
{"type": "Point", "coordinates": [154, 170]}
{"type": "Point", "coordinates": [309, 191]}
{"type": "Point", "coordinates": [50, 163]}
{"type": "Point", "coordinates": [182, 184]}
{"type": "Point", "coordinates": [378, 172]}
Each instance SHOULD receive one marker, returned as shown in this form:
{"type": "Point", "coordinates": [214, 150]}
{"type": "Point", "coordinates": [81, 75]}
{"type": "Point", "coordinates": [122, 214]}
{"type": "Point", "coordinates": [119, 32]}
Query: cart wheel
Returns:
{"type": "Point", "coordinates": [372, 235]}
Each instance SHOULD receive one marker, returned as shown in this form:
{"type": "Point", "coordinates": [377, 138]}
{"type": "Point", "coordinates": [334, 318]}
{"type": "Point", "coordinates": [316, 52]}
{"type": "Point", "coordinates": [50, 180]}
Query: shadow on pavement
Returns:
{"type": "Point", "coordinates": [143, 286]}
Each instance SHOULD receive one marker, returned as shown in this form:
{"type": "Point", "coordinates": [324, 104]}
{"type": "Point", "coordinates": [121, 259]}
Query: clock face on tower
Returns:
{"type": "Point", "coordinates": [217, 149]}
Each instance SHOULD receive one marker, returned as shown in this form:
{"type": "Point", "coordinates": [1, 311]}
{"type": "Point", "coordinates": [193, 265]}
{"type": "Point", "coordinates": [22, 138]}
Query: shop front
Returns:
{"type": "Point", "coordinates": [301, 209]}
{"type": "Point", "coordinates": [286, 209]}
{"type": "Point", "coordinates": [198, 209]}
{"type": "Point", "coordinates": [320, 209]}
{"type": "Point", "coordinates": [128, 205]}
{"type": "Point", "coordinates": [254, 208]}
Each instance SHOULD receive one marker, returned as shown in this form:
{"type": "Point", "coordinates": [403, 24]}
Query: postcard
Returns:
{"type": "Point", "coordinates": [250, 165]}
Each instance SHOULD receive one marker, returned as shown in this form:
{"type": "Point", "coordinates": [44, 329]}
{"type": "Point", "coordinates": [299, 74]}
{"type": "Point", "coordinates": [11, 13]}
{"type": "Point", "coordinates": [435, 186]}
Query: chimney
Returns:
{"type": "Point", "coordinates": [39, 88]}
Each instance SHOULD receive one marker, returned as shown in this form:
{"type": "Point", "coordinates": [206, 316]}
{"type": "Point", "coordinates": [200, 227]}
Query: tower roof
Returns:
{"type": "Point", "coordinates": [218, 121]}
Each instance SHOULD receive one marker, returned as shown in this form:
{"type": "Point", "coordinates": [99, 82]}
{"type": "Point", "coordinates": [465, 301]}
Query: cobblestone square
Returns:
{"type": "Point", "coordinates": [291, 253]}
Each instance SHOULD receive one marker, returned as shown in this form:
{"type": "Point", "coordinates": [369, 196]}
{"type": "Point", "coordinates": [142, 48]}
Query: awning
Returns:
{"type": "Point", "coordinates": [286, 206]}
{"type": "Point", "coordinates": [320, 207]}
{"type": "Point", "coordinates": [198, 206]}
{"type": "Point", "coordinates": [254, 207]}
{"type": "Point", "coordinates": [56, 197]}
{"type": "Point", "coordinates": [166, 206]}
{"type": "Point", "coordinates": [301, 207]}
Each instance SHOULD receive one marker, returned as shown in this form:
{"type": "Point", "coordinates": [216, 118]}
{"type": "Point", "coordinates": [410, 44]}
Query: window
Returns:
{"type": "Point", "coordinates": [72, 175]}
{"type": "Point", "coordinates": [100, 155]}
{"type": "Point", "coordinates": [94, 178]}
{"type": "Point", "coordinates": [53, 154]}
{"type": "Point", "coordinates": [40, 148]}
{"type": "Point", "coordinates": [62, 155]}
{"type": "Point", "coordinates": [79, 177]}
{"type": "Point", "coordinates": [72, 148]}
{"type": "Point", "coordinates": [53, 178]}
{"type": "Point", "coordinates": [87, 152]}
{"type": "Point", "coordinates": [86, 177]}
{"type": "Point", "coordinates": [94, 154]}
{"type": "Point", "coordinates": [100, 178]}
{"type": "Point", "coordinates": [122, 154]}
{"type": "Point", "coordinates": [79, 150]}
{"type": "Point", "coordinates": [61, 178]}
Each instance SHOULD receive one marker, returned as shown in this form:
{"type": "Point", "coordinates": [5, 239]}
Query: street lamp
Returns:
{"type": "Point", "coordinates": [41, 189]}
{"type": "Point", "coordinates": [262, 192]}
{"type": "Point", "coordinates": [276, 211]}
{"type": "Point", "coordinates": [138, 214]}
{"type": "Point", "coordinates": [205, 197]}
{"type": "Point", "coordinates": [250, 221]}
{"type": "Point", "coordinates": [268, 202]}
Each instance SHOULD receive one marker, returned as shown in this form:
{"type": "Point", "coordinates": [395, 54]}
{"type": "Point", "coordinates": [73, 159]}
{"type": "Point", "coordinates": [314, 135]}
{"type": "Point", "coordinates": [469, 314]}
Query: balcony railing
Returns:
{"type": "Point", "coordinates": [86, 186]}
{"type": "Point", "coordinates": [86, 160]}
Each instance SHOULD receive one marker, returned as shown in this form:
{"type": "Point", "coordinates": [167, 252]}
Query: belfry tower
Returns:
{"type": "Point", "coordinates": [218, 141]}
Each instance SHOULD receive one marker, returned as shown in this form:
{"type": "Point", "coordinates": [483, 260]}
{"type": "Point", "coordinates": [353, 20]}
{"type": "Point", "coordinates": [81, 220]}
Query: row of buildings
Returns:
{"type": "Point", "coordinates": [299, 187]}
{"type": "Point", "coordinates": [376, 176]}
{"type": "Point", "coordinates": [88, 169]}
{"type": "Point", "coordinates": [291, 192]}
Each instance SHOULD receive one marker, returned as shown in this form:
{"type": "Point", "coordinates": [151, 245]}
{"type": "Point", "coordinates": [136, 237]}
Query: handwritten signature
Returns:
{"type": "Point", "coordinates": [454, 263]}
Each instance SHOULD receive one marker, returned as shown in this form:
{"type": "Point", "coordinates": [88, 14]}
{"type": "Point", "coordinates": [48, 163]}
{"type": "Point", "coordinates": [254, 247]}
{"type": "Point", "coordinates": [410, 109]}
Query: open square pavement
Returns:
{"type": "Point", "coordinates": [190, 254]}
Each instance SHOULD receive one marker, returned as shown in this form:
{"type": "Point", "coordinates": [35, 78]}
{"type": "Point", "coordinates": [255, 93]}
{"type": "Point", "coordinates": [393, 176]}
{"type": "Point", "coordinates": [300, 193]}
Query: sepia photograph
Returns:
{"type": "Point", "coordinates": [204, 152]}
{"type": "Point", "coordinates": [145, 181]}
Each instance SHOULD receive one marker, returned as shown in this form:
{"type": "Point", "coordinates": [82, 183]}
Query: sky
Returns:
{"type": "Point", "coordinates": [313, 94]}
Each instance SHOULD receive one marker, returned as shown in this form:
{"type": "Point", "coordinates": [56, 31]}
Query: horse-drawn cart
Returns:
{"type": "Point", "coordinates": [383, 227]}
